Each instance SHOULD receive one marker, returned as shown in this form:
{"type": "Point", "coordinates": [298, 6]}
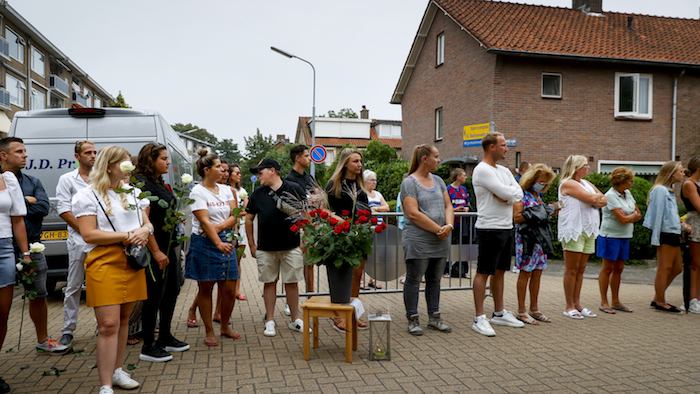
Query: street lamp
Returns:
{"type": "Point", "coordinates": [313, 111]}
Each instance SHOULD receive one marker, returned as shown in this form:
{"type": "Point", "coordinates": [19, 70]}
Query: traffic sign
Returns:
{"type": "Point", "coordinates": [318, 154]}
{"type": "Point", "coordinates": [253, 178]}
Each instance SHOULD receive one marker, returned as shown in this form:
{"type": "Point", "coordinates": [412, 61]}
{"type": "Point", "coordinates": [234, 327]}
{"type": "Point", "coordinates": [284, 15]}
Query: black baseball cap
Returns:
{"type": "Point", "coordinates": [265, 163]}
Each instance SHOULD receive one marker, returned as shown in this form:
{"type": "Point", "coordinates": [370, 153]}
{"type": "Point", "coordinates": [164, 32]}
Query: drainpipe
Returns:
{"type": "Point", "coordinates": [673, 121]}
{"type": "Point", "coordinates": [28, 62]}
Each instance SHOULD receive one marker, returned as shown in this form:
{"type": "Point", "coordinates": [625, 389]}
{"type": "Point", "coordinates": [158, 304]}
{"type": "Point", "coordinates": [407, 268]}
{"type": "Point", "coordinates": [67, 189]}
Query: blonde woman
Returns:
{"type": "Point", "coordinates": [663, 220]}
{"type": "Point", "coordinates": [346, 178]}
{"type": "Point", "coordinates": [108, 224]}
{"type": "Point", "coordinates": [532, 261]}
{"type": "Point", "coordinates": [690, 194]}
{"type": "Point", "coordinates": [578, 225]}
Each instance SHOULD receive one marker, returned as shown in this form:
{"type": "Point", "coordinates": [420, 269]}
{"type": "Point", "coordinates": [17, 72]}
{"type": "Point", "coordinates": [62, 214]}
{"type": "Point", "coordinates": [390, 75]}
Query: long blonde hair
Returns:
{"type": "Point", "coordinates": [340, 170]}
{"type": "Point", "coordinates": [99, 177]}
{"type": "Point", "coordinates": [419, 152]}
{"type": "Point", "coordinates": [572, 164]}
{"type": "Point", "coordinates": [665, 177]}
{"type": "Point", "coordinates": [530, 177]}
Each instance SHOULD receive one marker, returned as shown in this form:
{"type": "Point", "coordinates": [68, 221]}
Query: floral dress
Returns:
{"type": "Point", "coordinates": [538, 260]}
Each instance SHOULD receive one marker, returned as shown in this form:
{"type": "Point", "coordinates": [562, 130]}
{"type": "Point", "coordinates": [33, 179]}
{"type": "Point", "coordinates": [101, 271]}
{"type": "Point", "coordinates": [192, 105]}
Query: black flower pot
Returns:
{"type": "Point", "coordinates": [340, 282]}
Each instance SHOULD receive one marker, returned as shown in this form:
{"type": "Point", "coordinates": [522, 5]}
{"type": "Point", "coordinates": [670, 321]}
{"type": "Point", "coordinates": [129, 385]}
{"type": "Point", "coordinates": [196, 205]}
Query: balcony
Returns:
{"type": "Point", "coordinates": [4, 50]}
{"type": "Point", "coordinates": [5, 100]}
{"type": "Point", "coordinates": [59, 86]}
{"type": "Point", "coordinates": [79, 99]}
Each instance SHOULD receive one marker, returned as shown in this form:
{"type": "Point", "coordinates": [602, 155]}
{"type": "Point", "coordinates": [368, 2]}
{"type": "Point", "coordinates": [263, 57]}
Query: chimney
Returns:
{"type": "Point", "coordinates": [281, 137]}
{"type": "Point", "coordinates": [364, 114]}
{"type": "Point", "coordinates": [588, 5]}
{"type": "Point", "coordinates": [630, 19]}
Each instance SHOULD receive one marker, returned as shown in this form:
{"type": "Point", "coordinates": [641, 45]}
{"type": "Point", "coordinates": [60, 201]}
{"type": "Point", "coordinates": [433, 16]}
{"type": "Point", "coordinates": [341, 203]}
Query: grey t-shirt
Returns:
{"type": "Point", "coordinates": [419, 243]}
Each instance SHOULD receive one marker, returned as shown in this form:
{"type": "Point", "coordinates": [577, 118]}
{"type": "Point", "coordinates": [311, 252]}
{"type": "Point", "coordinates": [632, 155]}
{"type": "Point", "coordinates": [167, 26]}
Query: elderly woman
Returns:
{"type": "Point", "coordinates": [614, 238]}
{"type": "Point", "coordinates": [690, 194]}
{"type": "Point", "coordinates": [377, 203]}
{"type": "Point", "coordinates": [666, 226]}
{"type": "Point", "coordinates": [577, 229]}
{"type": "Point", "coordinates": [533, 239]}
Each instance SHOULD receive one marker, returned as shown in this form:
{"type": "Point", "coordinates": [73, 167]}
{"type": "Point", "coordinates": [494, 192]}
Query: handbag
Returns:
{"type": "Point", "coordinates": [136, 255]}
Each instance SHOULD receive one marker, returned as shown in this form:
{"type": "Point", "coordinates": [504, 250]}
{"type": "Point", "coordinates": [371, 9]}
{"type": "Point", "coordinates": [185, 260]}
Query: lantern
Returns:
{"type": "Point", "coordinates": [379, 334]}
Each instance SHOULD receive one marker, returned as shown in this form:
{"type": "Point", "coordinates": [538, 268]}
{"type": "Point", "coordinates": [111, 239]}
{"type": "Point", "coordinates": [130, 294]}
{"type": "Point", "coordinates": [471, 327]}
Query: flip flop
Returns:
{"type": "Point", "coordinates": [211, 343]}
{"type": "Point", "coordinates": [235, 335]}
{"type": "Point", "coordinates": [374, 284]}
{"type": "Point", "coordinates": [607, 310]}
{"type": "Point", "coordinates": [574, 314]}
{"type": "Point", "coordinates": [623, 308]}
{"type": "Point", "coordinates": [192, 323]}
{"type": "Point", "coordinates": [242, 297]}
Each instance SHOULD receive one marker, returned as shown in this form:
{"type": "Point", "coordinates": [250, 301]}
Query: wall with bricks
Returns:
{"type": "Point", "coordinates": [688, 115]}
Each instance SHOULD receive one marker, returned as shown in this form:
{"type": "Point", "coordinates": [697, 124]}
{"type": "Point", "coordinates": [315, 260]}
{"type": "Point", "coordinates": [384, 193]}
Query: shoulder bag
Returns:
{"type": "Point", "coordinates": [136, 255]}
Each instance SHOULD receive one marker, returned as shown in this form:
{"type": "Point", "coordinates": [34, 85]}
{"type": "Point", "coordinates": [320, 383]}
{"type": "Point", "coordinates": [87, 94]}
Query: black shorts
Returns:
{"type": "Point", "coordinates": [670, 239]}
{"type": "Point", "coordinates": [494, 250]}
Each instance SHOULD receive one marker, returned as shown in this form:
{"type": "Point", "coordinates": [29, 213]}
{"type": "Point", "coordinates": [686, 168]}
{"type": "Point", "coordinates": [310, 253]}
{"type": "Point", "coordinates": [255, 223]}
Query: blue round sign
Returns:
{"type": "Point", "coordinates": [253, 178]}
{"type": "Point", "coordinates": [318, 154]}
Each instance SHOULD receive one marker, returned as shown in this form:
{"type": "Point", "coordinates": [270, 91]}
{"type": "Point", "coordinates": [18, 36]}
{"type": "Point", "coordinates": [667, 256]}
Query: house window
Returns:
{"type": "Point", "coordinates": [16, 45]}
{"type": "Point", "coordinates": [633, 95]}
{"type": "Point", "coordinates": [98, 102]}
{"type": "Point", "coordinates": [551, 85]}
{"type": "Point", "coordinates": [38, 62]}
{"type": "Point", "coordinates": [16, 89]}
{"type": "Point", "coordinates": [389, 131]}
{"type": "Point", "coordinates": [441, 49]}
{"type": "Point", "coordinates": [38, 100]}
{"type": "Point", "coordinates": [438, 124]}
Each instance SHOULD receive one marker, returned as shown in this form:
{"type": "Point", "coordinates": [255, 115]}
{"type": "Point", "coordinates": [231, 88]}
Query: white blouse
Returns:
{"type": "Point", "coordinates": [12, 203]}
{"type": "Point", "coordinates": [577, 217]}
{"type": "Point", "coordinates": [85, 204]}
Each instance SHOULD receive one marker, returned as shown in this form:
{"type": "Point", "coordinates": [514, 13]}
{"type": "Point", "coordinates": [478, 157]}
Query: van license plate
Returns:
{"type": "Point", "coordinates": [54, 235]}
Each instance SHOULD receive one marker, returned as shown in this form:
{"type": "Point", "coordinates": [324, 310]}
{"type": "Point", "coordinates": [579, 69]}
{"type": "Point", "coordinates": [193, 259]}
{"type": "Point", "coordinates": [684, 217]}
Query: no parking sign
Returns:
{"type": "Point", "coordinates": [318, 154]}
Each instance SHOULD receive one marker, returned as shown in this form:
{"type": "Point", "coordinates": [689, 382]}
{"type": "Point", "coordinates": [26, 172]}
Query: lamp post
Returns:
{"type": "Point", "coordinates": [313, 111]}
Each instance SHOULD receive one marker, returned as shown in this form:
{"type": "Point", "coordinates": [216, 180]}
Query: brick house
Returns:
{"type": "Point", "coordinates": [334, 133]}
{"type": "Point", "coordinates": [617, 88]}
{"type": "Point", "coordinates": [35, 74]}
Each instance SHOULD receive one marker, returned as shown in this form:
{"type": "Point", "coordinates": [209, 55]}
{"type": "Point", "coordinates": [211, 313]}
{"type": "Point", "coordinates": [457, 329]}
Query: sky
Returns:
{"type": "Point", "coordinates": [209, 62]}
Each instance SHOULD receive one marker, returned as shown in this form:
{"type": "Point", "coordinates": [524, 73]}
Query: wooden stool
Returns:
{"type": "Point", "coordinates": [323, 307]}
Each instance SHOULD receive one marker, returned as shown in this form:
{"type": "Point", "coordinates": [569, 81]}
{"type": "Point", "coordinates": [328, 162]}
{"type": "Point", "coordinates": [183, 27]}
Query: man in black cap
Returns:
{"type": "Point", "coordinates": [277, 250]}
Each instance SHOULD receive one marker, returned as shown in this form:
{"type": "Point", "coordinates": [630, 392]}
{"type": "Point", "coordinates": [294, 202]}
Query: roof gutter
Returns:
{"type": "Point", "coordinates": [593, 58]}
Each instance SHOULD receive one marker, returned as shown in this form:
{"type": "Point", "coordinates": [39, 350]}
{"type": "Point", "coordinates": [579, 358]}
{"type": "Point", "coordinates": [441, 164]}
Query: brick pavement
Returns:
{"type": "Point", "coordinates": [644, 351]}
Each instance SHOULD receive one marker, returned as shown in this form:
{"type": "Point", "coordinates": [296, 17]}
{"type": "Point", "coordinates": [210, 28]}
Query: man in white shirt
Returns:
{"type": "Point", "coordinates": [496, 191]}
{"type": "Point", "coordinates": [68, 185]}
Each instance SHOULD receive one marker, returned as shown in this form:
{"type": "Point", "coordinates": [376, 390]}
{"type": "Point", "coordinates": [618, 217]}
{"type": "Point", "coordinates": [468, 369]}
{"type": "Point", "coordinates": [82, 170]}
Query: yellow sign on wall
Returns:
{"type": "Point", "coordinates": [473, 134]}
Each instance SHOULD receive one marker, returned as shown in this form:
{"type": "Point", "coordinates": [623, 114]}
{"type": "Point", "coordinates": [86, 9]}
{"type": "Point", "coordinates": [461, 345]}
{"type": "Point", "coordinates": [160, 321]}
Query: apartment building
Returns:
{"type": "Point", "coordinates": [35, 74]}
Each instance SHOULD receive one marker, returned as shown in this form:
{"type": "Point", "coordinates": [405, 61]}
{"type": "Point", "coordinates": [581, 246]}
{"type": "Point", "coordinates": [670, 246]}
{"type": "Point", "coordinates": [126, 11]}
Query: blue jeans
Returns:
{"type": "Point", "coordinates": [415, 269]}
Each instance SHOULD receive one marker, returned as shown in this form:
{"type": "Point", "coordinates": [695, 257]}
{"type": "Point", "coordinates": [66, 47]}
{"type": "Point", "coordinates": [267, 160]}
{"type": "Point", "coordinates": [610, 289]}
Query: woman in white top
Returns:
{"type": "Point", "coordinates": [377, 203]}
{"type": "Point", "coordinates": [241, 196]}
{"type": "Point", "coordinates": [211, 258]}
{"type": "Point", "coordinates": [112, 286]}
{"type": "Point", "coordinates": [577, 229]}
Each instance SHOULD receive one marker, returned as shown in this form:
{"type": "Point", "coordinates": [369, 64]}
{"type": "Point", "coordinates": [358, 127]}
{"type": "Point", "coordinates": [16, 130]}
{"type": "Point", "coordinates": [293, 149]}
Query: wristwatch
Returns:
{"type": "Point", "coordinates": [26, 254]}
{"type": "Point", "coordinates": [451, 225]}
{"type": "Point", "coordinates": [150, 230]}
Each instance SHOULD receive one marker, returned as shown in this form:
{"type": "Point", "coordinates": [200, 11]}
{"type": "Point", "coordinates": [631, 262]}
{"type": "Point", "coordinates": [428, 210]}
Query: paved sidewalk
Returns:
{"type": "Point", "coordinates": [642, 352]}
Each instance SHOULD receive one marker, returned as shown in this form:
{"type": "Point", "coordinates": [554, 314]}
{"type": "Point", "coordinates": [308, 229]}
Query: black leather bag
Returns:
{"type": "Point", "coordinates": [136, 256]}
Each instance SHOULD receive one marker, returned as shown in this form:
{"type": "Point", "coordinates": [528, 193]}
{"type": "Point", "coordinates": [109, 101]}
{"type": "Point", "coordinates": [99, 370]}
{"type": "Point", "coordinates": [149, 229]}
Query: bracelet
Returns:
{"type": "Point", "coordinates": [127, 235]}
{"type": "Point", "coordinates": [150, 230]}
{"type": "Point", "coordinates": [451, 225]}
{"type": "Point", "coordinates": [26, 254]}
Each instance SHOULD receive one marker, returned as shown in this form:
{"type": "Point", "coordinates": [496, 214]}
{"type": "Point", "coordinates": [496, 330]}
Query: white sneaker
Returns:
{"type": "Point", "coordinates": [106, 390]}
{"type": "Point", "coordinates": [694, 306]}
{"type": "Point", "coordinates": [287, 311]}
{"type": "Point", "coordinates": [482, 326]}
{"type": "Point", "coordinates": [507, 320]}
{"type": "Point", "coordinates": [270, 329]}
{"type": "Point", "coordinates": [297, 325]}
{"type": "Point", "coordinates": [123, 380]}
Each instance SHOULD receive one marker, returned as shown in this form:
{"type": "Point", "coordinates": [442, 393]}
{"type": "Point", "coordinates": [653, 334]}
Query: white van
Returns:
{"type": "Point", "coordinates": [50, 136]}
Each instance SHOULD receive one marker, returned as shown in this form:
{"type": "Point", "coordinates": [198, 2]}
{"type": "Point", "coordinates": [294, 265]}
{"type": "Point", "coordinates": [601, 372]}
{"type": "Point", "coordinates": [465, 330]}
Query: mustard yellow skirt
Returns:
{"type": "Point", "coordinates": [109, 280]}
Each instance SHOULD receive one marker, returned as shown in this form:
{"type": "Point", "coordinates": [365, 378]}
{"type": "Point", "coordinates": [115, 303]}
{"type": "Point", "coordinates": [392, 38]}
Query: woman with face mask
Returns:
{"type": "Point", "coordinates": [531, 222]}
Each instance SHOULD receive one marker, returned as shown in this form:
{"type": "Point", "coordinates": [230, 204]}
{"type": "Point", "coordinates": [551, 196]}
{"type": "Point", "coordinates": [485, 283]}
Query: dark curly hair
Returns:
{"type": "Point", "coordinates": [146, 161]}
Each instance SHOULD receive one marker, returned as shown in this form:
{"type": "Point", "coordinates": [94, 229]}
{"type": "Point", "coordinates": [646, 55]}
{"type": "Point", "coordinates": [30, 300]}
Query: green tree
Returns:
{"type": "Point", "coordinates": [257, 146]}
{"type": "Point", "coordinates": [378, 152]}
{"type": "Point", "coordinates": [228, 151]}
{"type": "Point", "coordinates": [120, 103]}
{"type": "Point", "coordinates": [343, 113]}
{"type": "Point", "coordinates": [199, 133]}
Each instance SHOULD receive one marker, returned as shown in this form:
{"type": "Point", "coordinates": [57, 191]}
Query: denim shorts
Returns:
{"type": "Point", "coordinates": [41, 271]}
{"type": "Point", "coordinates": [205, 262]}
{"type": "Point", "coordinates": [615, 249]}
{"type": "Point", "coordinates": [7, 263]}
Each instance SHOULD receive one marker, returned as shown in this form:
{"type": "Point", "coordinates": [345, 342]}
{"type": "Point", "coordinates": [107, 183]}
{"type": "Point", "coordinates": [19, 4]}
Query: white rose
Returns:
{"type": "Point", "coordinates": [20, 267]}
{"type": "Point", "coordinates": [36, 247]}
{"type": "Point", "coordinates": [243, 194]}
{"type": "Point", "coordinates": [127, 166]}
{"type": "Point", "coordinates": [187, 178]}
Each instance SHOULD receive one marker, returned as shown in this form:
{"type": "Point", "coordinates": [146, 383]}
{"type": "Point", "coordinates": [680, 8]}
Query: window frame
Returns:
{"type": "Point", "coordinates": [21, 43]}
{"type": "Point", "coordinates": [34, 51]}
{"type": "Point", "coordinates": [440, 49]}
{"type": "Point", "coordinates": [21, 97]}
{"type": "Point", "coordinates": [439, 124]}
{"type": "Point", "coordinates": [561, 85]}
{"type": "Point", "coordinates": [635, 114]}
{"type": "Point", "coordinates": [36, 93]}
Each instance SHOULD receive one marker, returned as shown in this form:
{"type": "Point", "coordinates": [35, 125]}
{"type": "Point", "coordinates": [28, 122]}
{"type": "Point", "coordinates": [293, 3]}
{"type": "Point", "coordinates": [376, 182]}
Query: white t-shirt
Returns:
{"type": "Point", "coordinates": [85, 204]}
{"type": "Point", "coordinates": [487, 181]}
{"type": "Point", "coordinates": [11, 203]}
{"type": "Point", "coordinates": [218, 205]}
{"type": "Point", "coordinates": [68, 186]}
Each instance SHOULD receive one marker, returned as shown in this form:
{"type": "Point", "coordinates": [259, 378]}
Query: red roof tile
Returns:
{"type": "Point", "coordinates": [502, 26]}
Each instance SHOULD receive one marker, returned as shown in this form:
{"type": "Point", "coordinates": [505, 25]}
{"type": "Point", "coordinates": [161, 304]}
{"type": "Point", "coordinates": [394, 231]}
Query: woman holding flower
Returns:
{"type": "Point", "coordinates": [211, 259]}
{"type": "Point", "coordinates": [163, 279]}
{"type": "Point", "coordinates": [346, 194]}
{"type": "Point", "coordinates": [241, 195]}
{"type": "Point", "coordinates": [429, 220]}
{"type": "Point", "coordinates": [109, 221]}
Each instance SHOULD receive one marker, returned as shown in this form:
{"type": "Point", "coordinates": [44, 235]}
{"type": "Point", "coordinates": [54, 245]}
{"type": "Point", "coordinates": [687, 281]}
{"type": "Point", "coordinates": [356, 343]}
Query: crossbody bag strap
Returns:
{"type": "Point", "coordinates": [107, 216]}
